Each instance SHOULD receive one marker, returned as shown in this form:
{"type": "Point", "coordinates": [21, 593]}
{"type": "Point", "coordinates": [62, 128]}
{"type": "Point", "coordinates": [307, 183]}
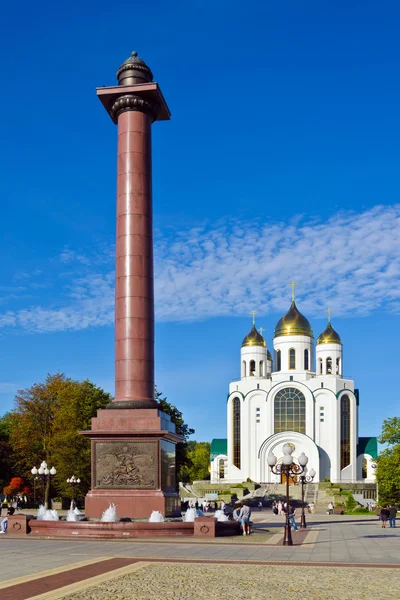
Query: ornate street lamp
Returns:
{"type": "Point", "coordinates": [303, 480]}
{"type": "Point", "coordinates": [73, 482]}
{"type": "Point", "coordinates": [45, 475]}
{"type": "Point", "coordinates": [288, 468]}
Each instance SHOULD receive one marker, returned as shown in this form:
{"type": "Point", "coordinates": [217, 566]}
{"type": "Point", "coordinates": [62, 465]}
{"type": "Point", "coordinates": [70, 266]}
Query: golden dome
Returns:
{"type": "Point", "coordinates": [254, 339]}
{"type": "Point", "coordinates": [293, 323]}
{"type": "Point", "coordinates": [329, 336]}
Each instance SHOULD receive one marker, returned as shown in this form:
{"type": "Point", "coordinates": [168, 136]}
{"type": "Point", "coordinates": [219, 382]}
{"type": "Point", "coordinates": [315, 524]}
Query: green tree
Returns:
{"type": "Point", "coordinates": [45, 425]}
{"type": "Point", "coordinates": [182, 448]}
{"type": "Point", "coordinates": [6, 453]}
{"type": "Point", "coordinates": [199, 456]}
{"type": "Point", "coordinates": [388, 463]}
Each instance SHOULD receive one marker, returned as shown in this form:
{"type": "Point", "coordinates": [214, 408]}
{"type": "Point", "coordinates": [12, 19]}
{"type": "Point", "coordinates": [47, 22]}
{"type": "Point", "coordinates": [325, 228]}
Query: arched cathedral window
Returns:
{"type": "Point", "coordinates": [221, 469]}
{"type": "Point", "coordinates": [329, 366]}
{"type": "Point", "coordinates": [292, 358]}
{"type": "Point", "coordinates": [290, 411]}
{"type": "Point", "coordinates": [345, 427]}
{"type": "Point", "coordinates": [338, 366]}
{"type": "Point", "coordinates": [306, 360]}
{"type": "Point", "coordinates": [243, 368]}
{"type": "Point", "coordinates": [320, 366]}
{"type": "Point", "coordinates": [364, 468]}
{"type": "Point", "coordinates": [261, 368]}
{"type": "Point", "coordinates": [278, 360]}
{"type": "Point", "coordinates": [236, 431]}
{"type": "Point", "coordinates": [252, 367]}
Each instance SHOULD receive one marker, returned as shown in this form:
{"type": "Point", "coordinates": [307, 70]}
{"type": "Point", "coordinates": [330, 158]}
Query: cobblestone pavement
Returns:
{"type": "Point", "coordinates": [225, 582]}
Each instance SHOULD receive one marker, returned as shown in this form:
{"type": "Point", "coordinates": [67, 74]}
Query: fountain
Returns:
{"type": "Point", "coordinates": [220, 515]}
{"type": "Point", "coordinates": [191, 514]}
{"type": "Point", "coordinates": [46, 514]}
{"type": "Point", "coordinates": [73, 515]}
{"type": "Point", "coordinates": [110, 514]}
{"type": "Point", "coordinates": [156, 517]}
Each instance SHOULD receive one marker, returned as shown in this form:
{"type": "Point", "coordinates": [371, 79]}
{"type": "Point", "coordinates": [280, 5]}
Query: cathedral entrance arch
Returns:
{"type": "Point", "coordinates": [274, 444]}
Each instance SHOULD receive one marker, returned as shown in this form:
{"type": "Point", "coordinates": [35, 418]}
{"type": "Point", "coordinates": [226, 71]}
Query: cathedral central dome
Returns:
{"type": "Point", "coordinates": [293, 323]}
{"type": "Point", "coordinates": [254, 338]}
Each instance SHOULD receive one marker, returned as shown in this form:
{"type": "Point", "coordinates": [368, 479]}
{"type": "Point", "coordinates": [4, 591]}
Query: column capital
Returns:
{"type": "Point", "coordinates": [133, 102]}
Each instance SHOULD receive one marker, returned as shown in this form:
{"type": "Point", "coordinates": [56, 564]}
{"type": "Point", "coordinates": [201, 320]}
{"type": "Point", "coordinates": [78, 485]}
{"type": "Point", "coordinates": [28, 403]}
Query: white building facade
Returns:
{"type": "Point", "coordinates": [299, 396]}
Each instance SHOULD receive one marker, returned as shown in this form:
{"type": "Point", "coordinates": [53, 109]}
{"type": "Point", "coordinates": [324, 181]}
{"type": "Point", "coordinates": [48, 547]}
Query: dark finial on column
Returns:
{"type": "Point", "coordinates": [133, 71]}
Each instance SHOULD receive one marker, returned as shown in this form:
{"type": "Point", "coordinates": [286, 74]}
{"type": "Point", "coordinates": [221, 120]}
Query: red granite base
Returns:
{"type": "Point", "coordinates": [109, 530]}
{"type": "Point", "coordinates": [136, 504]}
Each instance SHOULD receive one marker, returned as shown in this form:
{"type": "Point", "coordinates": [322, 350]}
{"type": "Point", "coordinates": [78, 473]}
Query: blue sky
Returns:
{"type": "Point", "coordinates": [280, 161]}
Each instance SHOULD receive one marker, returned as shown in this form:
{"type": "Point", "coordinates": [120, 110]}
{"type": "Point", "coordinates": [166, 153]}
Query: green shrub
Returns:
{"type": "Point", "coordinates": [327, 480]}
{"type": "Point", "coordinates": [360, 511]}
{"type": "Point", "coordinates": [350, 502]}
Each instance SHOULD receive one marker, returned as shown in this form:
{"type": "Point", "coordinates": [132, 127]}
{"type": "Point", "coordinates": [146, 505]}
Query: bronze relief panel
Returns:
{"type": "Point", "coordinates": [130, 465]}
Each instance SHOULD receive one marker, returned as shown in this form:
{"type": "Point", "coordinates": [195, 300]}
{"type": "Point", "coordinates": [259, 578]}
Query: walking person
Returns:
{"type": "Point", "coordinates": [292, 514]}
{"type": "Point", "coordinates": [392, 515]}
{"type": "Point", "coordinates": [280, 506]}
{"type": "Point", "coordinates": [384, 516]}
{"type": "Point", "coordinates": [244, 518]}
{"type": "Point", "coordinates": [260, 505]}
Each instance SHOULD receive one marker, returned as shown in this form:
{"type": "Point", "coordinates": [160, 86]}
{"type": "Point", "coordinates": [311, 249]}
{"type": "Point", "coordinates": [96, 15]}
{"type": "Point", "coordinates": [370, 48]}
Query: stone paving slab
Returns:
{"type": "Point", "coordinates": [247, 582]}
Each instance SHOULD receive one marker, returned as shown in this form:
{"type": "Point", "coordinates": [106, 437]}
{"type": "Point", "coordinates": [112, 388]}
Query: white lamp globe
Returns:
{"type": "Point", "coordinates": [287, 459]}
{"type": "Point", "coordinates": [271, 460]}
{"type": "Point", "coordinates": [44, 465]}
{"type": "Point", "coordinates": [40, 470]}
{"type": "Point", "coordinates": [34, 471]}
{"type": "Point", "coordinates": [288, 448]}
{"type": "Point", "coordinates": [78, 480]}
{"type": "Point", "coordinates": [53, 471]}
{"type": "Point", "coordinates": [303, 459]}
{"type": "Point", "coordinates": [46, 471]}
{"type": "Point", "coordinates": [312, 473]}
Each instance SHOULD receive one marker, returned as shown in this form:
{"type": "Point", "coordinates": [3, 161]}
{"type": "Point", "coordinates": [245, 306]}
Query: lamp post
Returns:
{"type": "Point", "coordinates": [73, 482]}
{"type": "Point", "coordinates": [45, 475]}
{"type": "Point", "coordinates": [303, 480]}
{"type": "Point", "coordinates": [288, 468]}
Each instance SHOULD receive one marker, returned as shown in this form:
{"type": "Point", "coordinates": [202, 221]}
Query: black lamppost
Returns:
{"type": "Point", "coordinates": [288, 469]}
{"type": "Point", "coordinates": [303, 480]}
{"type": "Point", "coordinates": [45, 474]}
{"type": "Point", "coordinates": [73, 482]}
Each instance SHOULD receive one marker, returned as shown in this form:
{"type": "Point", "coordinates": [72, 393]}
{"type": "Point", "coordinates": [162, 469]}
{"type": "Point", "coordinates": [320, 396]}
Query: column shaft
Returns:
{"type": "Point", "coordinates": [134, 289]}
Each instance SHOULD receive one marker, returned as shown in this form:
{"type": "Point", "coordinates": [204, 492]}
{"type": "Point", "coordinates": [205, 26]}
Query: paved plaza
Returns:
{"type": "Point", "coordinates": [338, 557]}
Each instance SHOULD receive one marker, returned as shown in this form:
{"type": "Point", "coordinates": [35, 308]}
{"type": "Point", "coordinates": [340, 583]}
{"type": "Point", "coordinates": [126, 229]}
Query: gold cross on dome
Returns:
{"type": "Point", "coordinates": [253, 313]}
{"type": "Point", "coordinates": [293, 285]}
{"type": "Point", "coordinates": [329, 311]}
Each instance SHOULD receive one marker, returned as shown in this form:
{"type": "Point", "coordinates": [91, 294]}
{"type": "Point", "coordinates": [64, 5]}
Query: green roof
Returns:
{"type": "Point", "coordinates": [368, 445]}
{"type": "Point", "coordinates": [218, 446]}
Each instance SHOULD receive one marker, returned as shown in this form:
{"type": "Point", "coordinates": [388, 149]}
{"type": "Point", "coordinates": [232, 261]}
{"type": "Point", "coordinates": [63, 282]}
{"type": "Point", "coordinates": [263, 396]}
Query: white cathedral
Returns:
{"type": "Point", "coordinates": [300, 396]}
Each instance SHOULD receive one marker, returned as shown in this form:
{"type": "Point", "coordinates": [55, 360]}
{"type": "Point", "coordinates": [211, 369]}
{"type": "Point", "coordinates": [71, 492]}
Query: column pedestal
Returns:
{"type": "Point", "coordinates": [133, 464]}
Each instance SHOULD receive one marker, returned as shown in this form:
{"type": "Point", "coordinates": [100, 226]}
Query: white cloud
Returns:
{"type": "Point", "coordinates": [350, 262]}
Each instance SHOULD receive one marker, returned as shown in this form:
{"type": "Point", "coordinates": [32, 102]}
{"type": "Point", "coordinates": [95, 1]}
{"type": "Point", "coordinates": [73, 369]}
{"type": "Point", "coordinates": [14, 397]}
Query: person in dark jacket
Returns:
{"type": "Point", "coordinates": [384, 516]}
{"type": "Point", "coordinates": [392, 515]}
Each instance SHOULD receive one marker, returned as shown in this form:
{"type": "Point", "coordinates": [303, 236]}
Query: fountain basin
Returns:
{"type": "Point", "coordinates": [202, 527]}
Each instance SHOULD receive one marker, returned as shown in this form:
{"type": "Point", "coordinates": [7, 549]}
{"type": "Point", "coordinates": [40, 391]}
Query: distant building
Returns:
{"type": "Point", "coordinates": [300, 396]}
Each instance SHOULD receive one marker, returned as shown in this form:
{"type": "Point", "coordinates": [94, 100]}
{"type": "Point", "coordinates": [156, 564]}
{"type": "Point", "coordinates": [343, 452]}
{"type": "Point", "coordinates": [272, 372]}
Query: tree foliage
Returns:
{"type": "Point", "coordinates": [198, 465]}
{"type": "Point", "coordinates": [388, 463]}
{"type": "Point", "coordinates": [45, 425]}
{"type": "Point", "coordinates": [6, 452]}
